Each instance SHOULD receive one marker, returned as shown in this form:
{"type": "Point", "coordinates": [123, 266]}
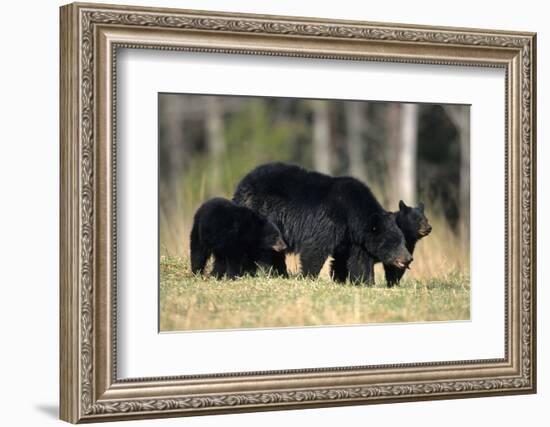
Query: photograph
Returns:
{"type": "Point", "coordinates": [290, 212]}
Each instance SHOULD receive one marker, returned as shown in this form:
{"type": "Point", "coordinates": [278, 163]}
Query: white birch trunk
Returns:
{"type": "Point", "coordinates": [408, 153]}
{"type": "Point", "coordinates": [321, 137]}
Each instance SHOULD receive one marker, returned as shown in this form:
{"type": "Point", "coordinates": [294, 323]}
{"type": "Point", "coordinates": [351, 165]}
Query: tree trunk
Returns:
{"type": "Point", "coordinates": [391, 188]}
{"type": "Point", "coordinates": [460, 117]}
{"type": "Point", "coordinates": [215, 142]}
{"type": "Point", "coordinates": [408, 153]}
{"type": "Point", "coordinates": [321, 137]}
{"type": "Point", "coordinates": [402, 122]}
{"type": "Point", "coordinates": [356, 124]}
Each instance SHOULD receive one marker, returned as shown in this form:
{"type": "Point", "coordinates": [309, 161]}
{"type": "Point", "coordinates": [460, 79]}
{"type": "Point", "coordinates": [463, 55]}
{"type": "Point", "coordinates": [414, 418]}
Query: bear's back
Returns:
{"type": "Point", "coordinates": [272, 183]}
{"type": "Point", "coordinates": [356, 195]}
{"type": "Point", "coordinates": [283, 181]}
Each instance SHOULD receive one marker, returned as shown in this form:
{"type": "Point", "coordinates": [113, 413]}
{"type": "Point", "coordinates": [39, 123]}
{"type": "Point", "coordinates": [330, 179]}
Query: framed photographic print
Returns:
{"type": "Point", "coordinates": [266, 212]}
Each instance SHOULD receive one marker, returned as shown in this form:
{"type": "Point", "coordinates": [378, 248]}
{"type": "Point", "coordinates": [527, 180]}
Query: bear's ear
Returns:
{"type": "Point", "coordinates": [402, 205]}
{"type": "Point", "coordinates": [421, 207]}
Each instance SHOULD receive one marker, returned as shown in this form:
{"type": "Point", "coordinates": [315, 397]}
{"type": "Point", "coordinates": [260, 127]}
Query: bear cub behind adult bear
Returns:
{"type": "Point", "coordinates": [415, 226]}
{"type": "Point", "coordinates": [235, 235]}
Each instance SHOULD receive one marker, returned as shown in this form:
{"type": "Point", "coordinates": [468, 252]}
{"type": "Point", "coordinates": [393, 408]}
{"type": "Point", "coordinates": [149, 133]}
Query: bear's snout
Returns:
{"type": "Point", "coordinates": [403, 261]}
{"type": "Point", "coordinates": [424, 231]}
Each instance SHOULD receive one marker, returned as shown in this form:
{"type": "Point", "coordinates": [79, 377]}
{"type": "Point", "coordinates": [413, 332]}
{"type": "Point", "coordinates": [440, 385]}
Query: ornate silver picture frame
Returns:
{"type": "Point", "coordinates": [90, 388]}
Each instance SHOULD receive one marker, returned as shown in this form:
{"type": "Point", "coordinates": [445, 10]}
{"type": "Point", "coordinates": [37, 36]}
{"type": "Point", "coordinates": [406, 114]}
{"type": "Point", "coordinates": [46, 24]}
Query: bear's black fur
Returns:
{"type": "Point", "coordinates": [320, 215]}
{"type": "Point", "coordinates": [357, 266]}
{"type": "Point", "coordinates": [234, 234]}
{"type": "Point", "coordinates": [414, 224]}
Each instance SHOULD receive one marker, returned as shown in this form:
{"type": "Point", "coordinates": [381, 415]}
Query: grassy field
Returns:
{"type": "Point", "coordinates": [188, 302]}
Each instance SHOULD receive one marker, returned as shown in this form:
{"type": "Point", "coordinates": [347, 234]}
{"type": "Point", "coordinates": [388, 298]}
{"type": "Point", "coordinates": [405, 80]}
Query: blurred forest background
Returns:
{"type": "Point", "coordinates": [413, 152]}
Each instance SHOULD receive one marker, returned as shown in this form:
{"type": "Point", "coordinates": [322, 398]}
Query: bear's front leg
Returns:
{"type": "Point", "coordinates": [235, 264]}
{"type": "Point", "coordinates": [339, 268]}
{"type": "Point", "coordinates": [393, 275]}
{"type": "Point", "coordinates": [360, 266]}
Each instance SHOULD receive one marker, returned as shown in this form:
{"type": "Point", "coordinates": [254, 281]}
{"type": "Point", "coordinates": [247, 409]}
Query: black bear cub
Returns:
{"type": "Point", "coordinates": [414, 225]}
{"type": "Point", "coordinates": [234, 234]}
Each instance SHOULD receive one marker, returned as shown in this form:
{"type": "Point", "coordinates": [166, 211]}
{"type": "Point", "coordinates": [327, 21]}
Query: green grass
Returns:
{"type": "Point", "coordinates": [189, 302]}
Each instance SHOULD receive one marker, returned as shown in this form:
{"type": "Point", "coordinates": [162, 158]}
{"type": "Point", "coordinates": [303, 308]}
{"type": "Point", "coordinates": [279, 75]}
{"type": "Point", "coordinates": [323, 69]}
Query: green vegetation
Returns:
{"type": "Point", "coordinates": [189, 302]}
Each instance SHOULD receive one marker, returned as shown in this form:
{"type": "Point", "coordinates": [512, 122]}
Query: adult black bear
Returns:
{"type": "Point", "coordinates": [320, 215]}
{"type": "Point", "coordinates": [234, 234]}
{"type": "Point", "coordinates": [414, 225]}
